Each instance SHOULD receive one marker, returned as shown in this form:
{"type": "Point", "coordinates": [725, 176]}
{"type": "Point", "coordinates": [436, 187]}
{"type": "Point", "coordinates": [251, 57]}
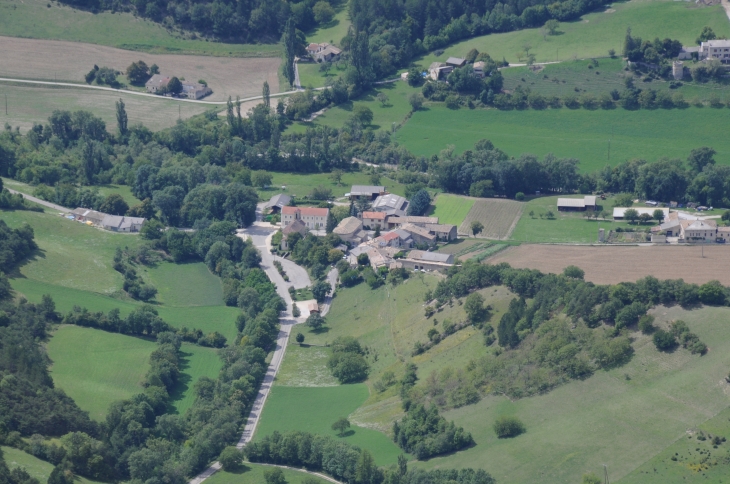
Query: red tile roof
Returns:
{"type": "Point", "coordinates": [374, 215]}
{"type": "Point", "coordinates": [308, 211]}
{"type": "Point", "coordinates": [389, 236]}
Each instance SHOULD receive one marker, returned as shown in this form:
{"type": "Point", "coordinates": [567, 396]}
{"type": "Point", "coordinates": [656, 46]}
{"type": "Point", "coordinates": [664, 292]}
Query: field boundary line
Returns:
{"type": "Point", "coordinates": [145, 94]}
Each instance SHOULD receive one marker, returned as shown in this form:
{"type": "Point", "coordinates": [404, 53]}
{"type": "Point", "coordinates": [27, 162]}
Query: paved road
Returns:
{"type": "Point", "coordinates": [332, 276]}
{"type": "Point", "coordinates": [41, 202]}
{"type": "Point", "coordinates": [260, 234]}
{"type": "Point", "coordinates": [137, 93]}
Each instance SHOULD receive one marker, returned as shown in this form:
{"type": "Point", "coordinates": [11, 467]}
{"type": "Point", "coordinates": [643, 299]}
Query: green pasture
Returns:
{"type": "Point", "coordinates": [305, 366]}
{"type": "Point", "coordinates": [205, 318]}
{"type": "Point", "coordinates": [189, 284]}
{"type": "Point", "coordinates": [566, 226]}
{"type": "Point", "coordinates": [38, 469]}
{"type": "Point", "coordinates": [316, 409]}
{"type": "Point", "coordinates": [96, 368]}
{"type": "Point", "coordinates": [195, 362]}
{"type": "Point", "coordinates": [335, 30]}
{"type": "Point", "coordinates": [580, 133]}
{"type": "Point", "coordinates": [595, 33]}
{"type": "Point", "coordinates": [34, 19]}
{"type": "Point", "coordinates": [451, 209]}
{"type": "Point", "coordinates": [29, 105]}
{"type": "Point", "coordinates": [626, 418]}
{"type": "Point", "coordinates": [123, 190]}
{"type": "Point", "coordinates": [250, 473]}
{"type": "Point", "coordinates": [302, 184]}
{"type": "Point", "coordinates": [311, 76]}
{"type": "Point", "coordinates": [393, 111]}
{"type": "Point", "coordinates": [579, 76]}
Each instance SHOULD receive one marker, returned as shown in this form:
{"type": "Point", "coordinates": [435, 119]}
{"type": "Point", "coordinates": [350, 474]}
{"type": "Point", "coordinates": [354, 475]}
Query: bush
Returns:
{"type": "Point", "coordinates": [507, 427]}
{"type": "Point", "coordinates": [574, 272]}
{"type": "Point", "coordinates": [646, 324]}
{"type": "Point", "coordinates": [347, 362]}
{"type": "Point", "coordinates": [519, 196]}
{"type": "Point", "coordinates": [664, 341]}
{"type": "Point", "coordinates": [230, 458]}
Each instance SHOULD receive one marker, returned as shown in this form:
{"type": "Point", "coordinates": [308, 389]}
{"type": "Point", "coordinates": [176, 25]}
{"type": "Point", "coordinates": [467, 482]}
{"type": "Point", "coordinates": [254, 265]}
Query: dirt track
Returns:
{"type": "Point", "coordinates": [613, 264]}
{"type": "Point", "coordinates": [70, 61]}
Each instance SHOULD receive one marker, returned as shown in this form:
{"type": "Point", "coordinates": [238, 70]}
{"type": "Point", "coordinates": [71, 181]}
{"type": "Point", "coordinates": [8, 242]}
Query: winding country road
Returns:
{"type": "Point", "coordinates": [39, 201]}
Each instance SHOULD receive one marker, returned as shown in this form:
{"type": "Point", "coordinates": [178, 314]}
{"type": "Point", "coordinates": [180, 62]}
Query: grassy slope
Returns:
{"type": "Point", "coordinates": [302, 184]}
{"type": "Point", "coordinates": [563, 79]}
{"type": "Point", "coordinates": [565, 227]}
{"type": "Point", "coordinates": [37, 468]}
{"type": "Point", "coordinates": [594, 34]}
{"type": "Point", "coordinates": [186, 285]}
{"type": "Point", "coordinates": [451, 209]}
{"type": "Point", "coordinates": [96, 368]}
{"type": "Point", "coordinates": [254, 474]}
{"type": "Point", "coordinates": [609, 418]}
{"type": "Point", "coordinates": [309, 74]}
{"type": "Point", "coordinates": [582, 134]}
{"type": "Point", "coordinates": [33, 19]}
{"type": "Point", "coordinates": [28, 105]}
{"type": "Point", "coordinates": [394, 111]}
{"type": "Point", "coordinates": [123, 190]}
{"type": "Point", "coordinates": [196, 362]}
{"type": "Point", "coordinates": [315, 409]}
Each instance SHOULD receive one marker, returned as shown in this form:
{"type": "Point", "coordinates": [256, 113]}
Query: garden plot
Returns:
{"type": "Point", "coordinates": [499, 218]}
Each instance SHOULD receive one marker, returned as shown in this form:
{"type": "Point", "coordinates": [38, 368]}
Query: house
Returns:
{"type": "Point", "coordinates": [715, 49]}
{"type": "Point", "coordinates": [618, 212]}
{"type": "Point", "coordinates": [455, 62]}
{"type": "Point", "coordinates": [672, 228]}
{"type": "Point", "coordinates": [688, 52]}
{"type": "Point", "coordinates": [156, 83]}
{"type": "Point", "coordinates": [89, 216]}
{"type": "Point", "coordinates": [380, 257]}
{"type": "Point", "coordinates": [313, 307]}
{"type": "Point", "coordinates": [313, 218]}
{"type": "Point", "coordinates": [438, 71]}
{"type": "Point", "coordinates": [577, 204]}
{"type": "Point", "coordinates": [698, 230]}
{"type": "Point", "coordinates": [390, 204]}
{"type": "Point", "coordinates": [370, 220]}
{"type": "Point", "coordinates": [296, 226]}
{"type": "Point", "coordinates": [420, 235]}
{"type": "Point", "coordinates": [479, 68]}
{"type": "Point", "coordinates": [388, 239]}
{"type": "Point", "coordinates": [277, 202]}
{"type": "Point", "coordinates": [429, 261]}
{"type": "Point", "coordinates": [442, 231]}
{"type": "Point", "coordinates": [323, 52]}
{"type": "Point", "coordinates": [356, 251]}
{"type": "Point", "coordinates": [194, 90]}
{"type": "Point", "coordinates": [118, 223]}
{"type": "Point", "coordinates": [406, 240]}
{"type": "Point", "coordinates": [723, 235]}
{"type": "Point", "coordinates": [349, 229]}
{"type": "Point", "coordinates": [394, 221]}
{"type": "Point", "coordinates": [367, 192]}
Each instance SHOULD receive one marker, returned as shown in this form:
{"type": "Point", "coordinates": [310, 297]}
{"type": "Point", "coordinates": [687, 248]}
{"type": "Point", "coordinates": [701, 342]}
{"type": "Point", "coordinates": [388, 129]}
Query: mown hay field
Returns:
{"type": "Point", "coordinates": [29, 105]}
{"type": "Point", "coordinates": [499, 217]}
{"type": "Point", "coordinates": [70, 61]}
{"type": "Point", "coordinates": [451, 209]}
{"type": "Point", "coordinates": [40, 19]}
{"type": "Point", "coordinates": [614, 264]}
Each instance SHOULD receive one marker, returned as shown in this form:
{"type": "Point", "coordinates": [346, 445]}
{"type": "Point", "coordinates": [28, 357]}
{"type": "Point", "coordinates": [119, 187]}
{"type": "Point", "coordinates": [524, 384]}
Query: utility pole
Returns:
{"type": "Point", "coordinates": [178, 111]}
{"type": "Point", "coordinates": [605, 474]}
{"type": "Point", "coordinates": [6, 105]}
{"type": "Point", "coordinates": [609, 150]}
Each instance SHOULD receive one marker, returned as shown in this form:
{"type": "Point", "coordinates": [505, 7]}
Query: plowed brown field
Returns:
{"type": "Point", "coordinates": [70, 61]}
{"type": "Point", "coordinates": [614, 264]}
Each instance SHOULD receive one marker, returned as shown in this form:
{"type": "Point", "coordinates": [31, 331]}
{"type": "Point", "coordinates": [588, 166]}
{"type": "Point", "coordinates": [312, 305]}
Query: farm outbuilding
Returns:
{"type": "Point", "coordinates": [577, 204]}
{"type": "Point", "coordinates": [618, 212]}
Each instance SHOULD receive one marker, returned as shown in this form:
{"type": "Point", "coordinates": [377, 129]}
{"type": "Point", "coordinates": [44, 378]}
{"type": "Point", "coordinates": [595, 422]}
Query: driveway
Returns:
{"type": "Point", "coordinates": [40, 202]}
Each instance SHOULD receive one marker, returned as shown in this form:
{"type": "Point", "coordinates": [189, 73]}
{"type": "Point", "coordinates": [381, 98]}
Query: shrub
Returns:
{"type": "Point", "coordinates": [646, 324]}
{"type": "Point", "coordinates": [574, 272]}
{"type": "Point", "coordinates": [664, 341]}
{"type": "Point", "coordinates": [519, 196]}
{"type": "Point", "coordinates": [230, 458]}
{"type": "Point", "coordinates": [508, 427]}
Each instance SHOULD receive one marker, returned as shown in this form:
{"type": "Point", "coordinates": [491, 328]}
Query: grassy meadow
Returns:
{"type": "Point", "coordinates": [250, 473]}
{"type": "Point", "coordinates": [190, 284]}
{"type": "Point", "coordinates": [451, 209]}
{"type": "Point", "coordinates": [34, 19]}
{"type": "Point", "coordinates": [595, 33]}
{"type": "Point", "coordinates": [627, 418]}
{"type": "Point", "coordinates": [38, 469]}
{"type": "Point", "coordinates": [565, 227]}
{"type": "Point", "coordinates": [302, 184]}
{"type": "Point", "coordinates": [96, 368]}
{"type": "Point", "coordinates": [581, 134]}
{"type": "Point", "coordinates": [29, 105]}
{"type": "Point", "coordinates": [195, 362]}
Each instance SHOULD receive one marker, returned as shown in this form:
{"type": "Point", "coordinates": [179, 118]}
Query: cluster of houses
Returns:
{"type": "Point", "coordinates": [191, 90]}
{"type": "Point", "coordinates": [696, 230]}
{"type": "Point", "coordinates": [115, 223]}
{"type": "Point", "coordinates": [397, 232]}
{"type": "Point", "coordinates": [718, 49]}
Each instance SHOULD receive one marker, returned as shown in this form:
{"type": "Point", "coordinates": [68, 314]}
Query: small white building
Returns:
{"type": "Point", "coordinates": [715, 49]}
{"type": "Point", "coordinates": [619, 212]}
{"type": "Point", "coordinates": [119, 223]}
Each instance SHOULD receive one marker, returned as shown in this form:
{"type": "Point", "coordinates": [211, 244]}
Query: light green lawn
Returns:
{"type": "Point", "coordinates": [451, 209]}
{"type": "Point", "coordinates": [38, 469]}
{"type": "Point", "coordinates": [315, 409]}
{"type": "Point", "coordinates": [566, 226]}
{"type": "Point", "coordinates": [622, 418]}
{"type": "Point", "coordinates": [33, 19]}
{"type": "Point", "coordinates": [311, 76]}
{"type": "Point", "coordinates": [394, 111]}
{"type": "Point", "coordinates": [123, 190]}
{"type": "Point", "coordinates": [595, 33]}
{"type": "Point", "coordinates": [582, 134]}
{"type": "Point", "coordinates": [254, 474]}
{"type": "Point", "coordinates": [301, 184]}
{"type": "Point", "coordinates": [195, 362]}
{"type": "Point", "coordinates": [335, 30]}
{"type": "Point", "coordinates": [186, 284]}
{"type": "Point", "coordinates": [96, 368]}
